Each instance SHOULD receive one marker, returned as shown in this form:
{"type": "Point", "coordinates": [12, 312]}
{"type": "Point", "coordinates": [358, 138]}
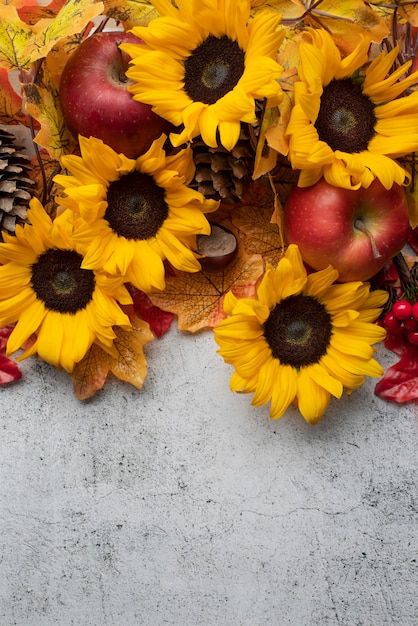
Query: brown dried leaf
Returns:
{"type": "Point", "coordinates": [258, 224]}
{"type": "Point", "coordinates": [89, 375]}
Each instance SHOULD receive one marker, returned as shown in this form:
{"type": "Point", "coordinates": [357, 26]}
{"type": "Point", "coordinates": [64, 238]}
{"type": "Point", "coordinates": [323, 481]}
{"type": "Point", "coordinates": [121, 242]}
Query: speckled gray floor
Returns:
{"type": "Point", "coordinates": [181, 504]}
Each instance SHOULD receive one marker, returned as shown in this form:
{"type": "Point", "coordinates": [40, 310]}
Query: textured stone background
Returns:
{"type": "Point", "coordinates": [181, 504]}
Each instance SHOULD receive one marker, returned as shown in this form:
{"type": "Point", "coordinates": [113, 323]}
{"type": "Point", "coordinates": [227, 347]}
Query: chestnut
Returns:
{"type": "Point", "coordinates": [219, 248]}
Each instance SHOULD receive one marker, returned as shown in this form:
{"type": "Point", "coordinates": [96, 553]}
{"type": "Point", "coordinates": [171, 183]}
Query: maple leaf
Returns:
{"type": "Point", "coordinates": [258, 224]}
{"type": "Point", "coordinates": [31, 11]}
{"type": "Point", "coordinates": [22, 44]}
{"type": "Point", "coordinates": [9, 370]}
{"type": "Point", "coordinates": [130, 365]}
{"type": "Point", "coordinates": [130, 12]}
{"type": "Point", "coordinates": [10, 102]}
{"type": "Point", "coordinates": [400, 381]}
{"type": "Point", "coordinates": [159, 320]}
{"type": "Point", "coordinates": [197, 299]}
{"type": "Point", "coordinates": [346, 21]}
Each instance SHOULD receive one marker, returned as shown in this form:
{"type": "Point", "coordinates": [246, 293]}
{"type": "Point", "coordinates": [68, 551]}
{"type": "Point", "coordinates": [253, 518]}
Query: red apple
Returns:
{"type": "Point", "coordinates": [95, 100]}
{"type": "Point", "coordinates": [356, 231]}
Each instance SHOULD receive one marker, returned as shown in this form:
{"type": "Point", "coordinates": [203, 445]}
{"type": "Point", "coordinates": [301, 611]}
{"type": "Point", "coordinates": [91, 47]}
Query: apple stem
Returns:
{"type": "Point", "coordinates": [122, 65]}
{"type": "Point", "coordinates": [361, 227]}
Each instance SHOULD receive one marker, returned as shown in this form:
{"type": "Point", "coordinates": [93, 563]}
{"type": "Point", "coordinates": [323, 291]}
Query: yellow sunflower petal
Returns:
{"type": "Point", "coordinates": [313, 399]}
{"type": "Point", "coordinates": [284, 390]}
{"type": "Point", "coordinates": [176, 94]}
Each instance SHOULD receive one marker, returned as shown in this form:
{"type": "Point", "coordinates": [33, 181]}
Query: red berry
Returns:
{"type": "Point", "coordinates": [411, 323]}
{"type": "Point", "coordinates": [391, 322]}
{"type": "Point", "coordinates": [415, 311]}
{"type": "Point", "coordinates": [413, 337]}
{"type": "Point", "coordinates": [402, 309]}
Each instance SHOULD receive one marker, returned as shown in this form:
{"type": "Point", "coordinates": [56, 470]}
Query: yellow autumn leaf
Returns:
{"type": "Point", "coordinates": [43, 105]}
{"type": "Point", "coordinates": [349, 21]}
{"type": "Point", "coordinates": [410, 13]}
{"type": "Point", "coordinates": [71, 19]}
{"type": "Point", "coordinates": [265, 155]}
{"type": "Point", "coordinates": [15, 38]}
{"type": "Point", "coordinates": [22, 44]}
{"type": "Point", "coordinates": [346, 20]}
{"type": "Point", "coordinates": [129, 364]}
{"type": "Point", "coordinates": [130, 12]}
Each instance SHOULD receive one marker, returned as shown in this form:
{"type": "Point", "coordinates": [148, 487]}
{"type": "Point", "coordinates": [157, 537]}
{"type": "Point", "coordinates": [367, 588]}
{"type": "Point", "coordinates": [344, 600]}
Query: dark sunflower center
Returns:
{"type": "Point", "coordinates": [136, 206]}
{"type": "Point", "coordinates": [213, 69]}
{"type": "Point", "coordinates": [346, 117]}
{"type": "Point", "coordinates": [298, 331]}
{"type": "Point", "coordinates": [59, 281]}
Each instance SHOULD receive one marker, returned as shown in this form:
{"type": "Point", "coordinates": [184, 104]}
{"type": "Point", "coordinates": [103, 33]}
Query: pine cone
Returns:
{"type": "Point", "coordinates": [15, 183]}
{"type": "Point", "coordinates": [220, 174]}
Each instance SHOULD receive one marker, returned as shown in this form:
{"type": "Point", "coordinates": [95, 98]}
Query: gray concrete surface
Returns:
{"type": "Point", "coordinates": [181, 504]}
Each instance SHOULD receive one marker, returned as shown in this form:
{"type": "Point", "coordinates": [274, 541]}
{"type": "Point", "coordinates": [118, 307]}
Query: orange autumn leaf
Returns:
{"type": "Point", "coordinates": [31, 11]}
{"type": "Point", "coordinates": [130, 365]}
{"type": "Point", "coordinates": [258, 224]}
{"type": "Point", "coordinates": [197, 299]}
{"type": "Point", "coordinates": [10, 102]}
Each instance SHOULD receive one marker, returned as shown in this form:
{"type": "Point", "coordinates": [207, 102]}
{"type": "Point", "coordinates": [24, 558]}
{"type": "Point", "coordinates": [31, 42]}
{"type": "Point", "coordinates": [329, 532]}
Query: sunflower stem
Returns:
{"type": "Point", "coordinates": [359, 225]}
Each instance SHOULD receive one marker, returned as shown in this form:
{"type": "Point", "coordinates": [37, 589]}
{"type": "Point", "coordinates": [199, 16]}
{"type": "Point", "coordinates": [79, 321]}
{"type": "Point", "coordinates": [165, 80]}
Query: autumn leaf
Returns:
{"type": "Point", "coordinates": [400, 381]}
{"type": "Point", "coordinates": [10, 102]}
{"type": "Point", "coordinates": [253, 221]}
{"type": "Point", "coordinates": [9, 370]}
{"type": "Point", "coordinates": [160, 321]}
{"type": "Point", "coordinates": [31, 11]}
{"type": "Point", "coordinates": [265, 156]}
{"type": "Point", "coordinates": [21, 44]}
{"type": "Point", "coordinates": [130, 12]}
{"type": "Point", "coordinates": [15, 39]}
{"type": "Point", "coordinates": [70, 19]}
{"type": "Point", "coordinates": [54, 136]}
{"type": "Point", "coordinates": [130, 365]}
{"type": "Point", "coordinates": [347, 21]}
{"type": "Point", "coordinates": [5, 332]}
{"type": "Point", "coordinates": [197, 299]}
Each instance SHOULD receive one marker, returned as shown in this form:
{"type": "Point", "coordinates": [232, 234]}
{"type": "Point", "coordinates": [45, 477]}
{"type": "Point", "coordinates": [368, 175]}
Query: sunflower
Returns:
{"type": "Point", "coordinates": [45, 290]}
{"type": "Point", "coordinates": [303, 339]}
{"type": "Point", "coordinates": [134, 214]}
{"type": "Point", "coordinates": [346, 125]}
{"type": "Point", "coordinates": [203, 65]}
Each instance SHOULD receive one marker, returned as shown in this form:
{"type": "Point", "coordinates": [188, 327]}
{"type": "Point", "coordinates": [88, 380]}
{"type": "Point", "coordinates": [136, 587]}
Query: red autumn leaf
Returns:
{"type": "Point", "coordinates": [159, 320]}
{"type": "Point", "coordinates": [400, 381]}
{"type": "Point", "coordinates": [5, 333]}
{"type": "Point", "coordinates": [9, 371]}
